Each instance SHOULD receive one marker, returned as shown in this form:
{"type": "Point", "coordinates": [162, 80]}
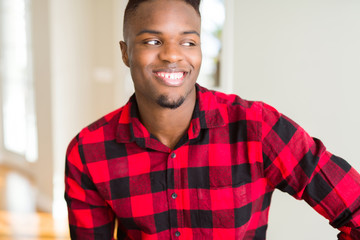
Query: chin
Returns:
{"type": "Point", "coordinates": [165, 102]}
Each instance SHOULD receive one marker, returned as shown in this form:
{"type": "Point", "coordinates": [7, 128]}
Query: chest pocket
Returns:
{"type": "Point", "coordinates": [223, 196]}
{"type": "Point", "coordinates": [224, 206]}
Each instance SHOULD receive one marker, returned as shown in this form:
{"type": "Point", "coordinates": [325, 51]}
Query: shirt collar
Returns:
{"type": "Point", "coordinates": [207, 114]}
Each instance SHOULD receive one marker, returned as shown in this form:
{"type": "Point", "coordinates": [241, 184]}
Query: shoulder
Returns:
{"type": "Point", "coordinates": [207, 95]}
{"type": "Point", "coordinates": [235, 108]}
{"type": "Point", "coordinates": [231, 104]}
{"type": "Point", "coordinates": [101, 130]}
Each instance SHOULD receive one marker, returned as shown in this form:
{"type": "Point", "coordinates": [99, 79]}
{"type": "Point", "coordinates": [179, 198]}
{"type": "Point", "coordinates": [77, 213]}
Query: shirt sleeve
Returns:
{"type": "Point", "coordinates": [301, 166]}
{"type": "Point", "coordinates": [89, 215]}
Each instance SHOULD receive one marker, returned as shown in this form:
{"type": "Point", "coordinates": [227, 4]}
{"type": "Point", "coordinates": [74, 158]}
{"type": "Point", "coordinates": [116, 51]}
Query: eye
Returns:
{"type": "Point", "coordinates": [153, 42]}
{"type": "Point", "coordinates": [188, 44]}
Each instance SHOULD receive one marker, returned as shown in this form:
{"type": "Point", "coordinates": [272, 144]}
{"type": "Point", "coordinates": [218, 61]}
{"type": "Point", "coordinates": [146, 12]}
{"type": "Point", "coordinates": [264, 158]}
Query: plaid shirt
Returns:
{"type": "Point", "coordinates": [216, 184]}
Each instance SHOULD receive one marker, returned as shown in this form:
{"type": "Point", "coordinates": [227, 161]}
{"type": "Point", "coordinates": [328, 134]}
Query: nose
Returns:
{"type": "Point", "coordinates": [171, 52]}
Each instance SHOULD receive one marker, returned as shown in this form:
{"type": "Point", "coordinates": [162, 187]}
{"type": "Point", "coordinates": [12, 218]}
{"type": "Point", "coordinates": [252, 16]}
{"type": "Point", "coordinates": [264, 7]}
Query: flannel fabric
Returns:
{"type": "Point", "coordinates": [216, 183]}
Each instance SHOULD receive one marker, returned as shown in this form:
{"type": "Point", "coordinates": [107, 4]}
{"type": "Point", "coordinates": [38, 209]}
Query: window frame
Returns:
{"type": "Point", "coordinates": [226, 55]}
{"type": "Point", "coordinates": [8, 156]}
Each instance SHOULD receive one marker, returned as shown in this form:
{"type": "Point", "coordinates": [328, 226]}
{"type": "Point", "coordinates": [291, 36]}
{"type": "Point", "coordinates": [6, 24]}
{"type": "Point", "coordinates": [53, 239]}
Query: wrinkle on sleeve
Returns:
{"type": "Point", "coordinates": [300, 165]}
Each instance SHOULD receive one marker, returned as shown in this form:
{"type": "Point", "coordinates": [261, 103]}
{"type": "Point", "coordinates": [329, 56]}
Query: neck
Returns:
{"type": "Point", "coordinates": [167, 125]}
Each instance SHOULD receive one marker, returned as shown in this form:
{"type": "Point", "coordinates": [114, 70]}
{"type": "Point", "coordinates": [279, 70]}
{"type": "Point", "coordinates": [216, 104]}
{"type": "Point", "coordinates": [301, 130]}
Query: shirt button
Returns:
{"type": "Point", "coordinates": [173, 155]}
{"type": "Point", "coordinates": [174, 195]}
{"type": "Point", "coordinates": [177, 234]}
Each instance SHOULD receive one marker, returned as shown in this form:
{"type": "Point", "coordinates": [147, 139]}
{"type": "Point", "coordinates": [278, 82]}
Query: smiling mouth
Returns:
{"type": "Point", "coordinates": [171, 78]}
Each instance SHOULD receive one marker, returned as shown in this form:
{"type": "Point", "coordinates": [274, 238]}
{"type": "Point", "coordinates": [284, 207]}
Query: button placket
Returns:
{"type": "Point", "coordinates": [174, 195]}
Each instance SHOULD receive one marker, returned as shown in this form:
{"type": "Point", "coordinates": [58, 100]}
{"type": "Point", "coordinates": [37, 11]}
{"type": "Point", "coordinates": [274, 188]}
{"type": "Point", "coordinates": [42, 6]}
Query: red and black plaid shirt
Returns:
{"type": "Point", "coordinates": [216, 184]}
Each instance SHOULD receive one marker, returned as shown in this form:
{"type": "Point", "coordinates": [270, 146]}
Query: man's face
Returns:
{"type": "Point", "coordinates": [163, 51]}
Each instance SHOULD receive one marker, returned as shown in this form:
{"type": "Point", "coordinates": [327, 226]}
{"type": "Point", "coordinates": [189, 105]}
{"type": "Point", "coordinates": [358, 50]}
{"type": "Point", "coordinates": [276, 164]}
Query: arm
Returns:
{"type": "Point", "coordinates": [300, 165]}
{"type": "Point", "coordinates": [89, 215]}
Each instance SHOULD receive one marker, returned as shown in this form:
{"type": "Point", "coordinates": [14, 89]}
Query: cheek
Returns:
{"type": "Point", "coordinates": [142, 58]}
{"type": "Point", "coordinates": [196, 58]}
{"type": "Point", "coordinates": [140, 67]}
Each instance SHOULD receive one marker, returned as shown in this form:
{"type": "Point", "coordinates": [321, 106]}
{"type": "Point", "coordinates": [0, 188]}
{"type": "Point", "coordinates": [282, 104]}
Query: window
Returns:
{"type": "Point", "coordinates": [17, 93]}
{"type": "Point", "coordinates": [213, 20]}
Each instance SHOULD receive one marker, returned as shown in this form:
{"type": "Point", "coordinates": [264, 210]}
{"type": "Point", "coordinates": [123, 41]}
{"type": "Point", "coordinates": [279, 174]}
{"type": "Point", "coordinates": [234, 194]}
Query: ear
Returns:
{"type": "Point", "coordinates": [124, 53]}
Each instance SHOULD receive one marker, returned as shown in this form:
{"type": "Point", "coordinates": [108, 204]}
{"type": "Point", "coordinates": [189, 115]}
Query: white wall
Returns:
{"type": "Point", "coordinates": [42, 170]}
{"type": "Point", "coordinates": [78, 77]}
{"type": "Point", "coordinates": [71, 65]}
{"type": "Point", "coordinates": [86, 71]}
{"type": "Point", "coordinates": [302, 57]}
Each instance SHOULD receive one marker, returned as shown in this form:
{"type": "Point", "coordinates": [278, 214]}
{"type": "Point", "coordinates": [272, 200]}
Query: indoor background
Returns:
{"type": "Point", "coordinates": [302, 57]}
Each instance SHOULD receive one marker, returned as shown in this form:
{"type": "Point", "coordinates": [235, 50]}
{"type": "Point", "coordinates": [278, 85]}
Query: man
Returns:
{"type": "Point", "coordinates": [181, 162]}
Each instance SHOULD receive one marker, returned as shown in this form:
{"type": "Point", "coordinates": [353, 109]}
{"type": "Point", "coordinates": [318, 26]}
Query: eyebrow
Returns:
{"type": "Point", "coordinates": [160, 33]}
{"type": "Point", "coordinates": [191, 32]}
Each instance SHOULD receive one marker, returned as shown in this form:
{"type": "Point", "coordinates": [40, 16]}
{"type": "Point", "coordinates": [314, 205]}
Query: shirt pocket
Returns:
{"type": "Point", "coordinates": [223, 205]}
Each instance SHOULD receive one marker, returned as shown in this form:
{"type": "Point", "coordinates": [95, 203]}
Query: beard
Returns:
{"type": "Point", "coordinates": [165, 102]}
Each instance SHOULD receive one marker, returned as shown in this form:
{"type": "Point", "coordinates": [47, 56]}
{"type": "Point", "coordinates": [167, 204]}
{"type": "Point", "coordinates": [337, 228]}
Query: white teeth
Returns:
{"type": "Point", "coordinates": [172, 76]}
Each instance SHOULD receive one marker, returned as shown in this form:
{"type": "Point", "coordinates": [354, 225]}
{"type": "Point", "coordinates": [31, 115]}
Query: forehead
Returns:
{"type": "Point", "coordinates": [164, 15]}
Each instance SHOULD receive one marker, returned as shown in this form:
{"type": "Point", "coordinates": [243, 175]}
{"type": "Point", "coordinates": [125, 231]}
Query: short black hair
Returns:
{"type": "Point", "coordinates": [134, 4]}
